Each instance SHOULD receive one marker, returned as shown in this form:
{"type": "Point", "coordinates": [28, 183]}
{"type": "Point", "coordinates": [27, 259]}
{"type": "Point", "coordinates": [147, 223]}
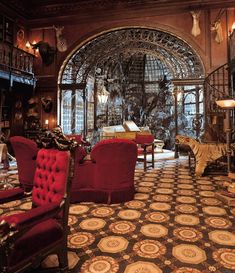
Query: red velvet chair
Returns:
{"type": "Point", "coordinates": [146, 147]}
{"type": "Point", "coordinates": [108, 177]}
{"type": "Point", "coordinates": [27, 238]}
{"type": "Point", "coordinates": [25, 151]}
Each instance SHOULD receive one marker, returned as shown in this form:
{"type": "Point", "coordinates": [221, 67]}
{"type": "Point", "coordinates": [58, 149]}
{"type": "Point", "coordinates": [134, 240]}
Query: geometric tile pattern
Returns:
{"type": "Point", "coordinates": [190, 254]}
{"type": "Point", "coordinates": [142, 267]}
{"type": "Point", "coordinates": [112, 244]}
{"type": "Point", "coordinates": [175, 224]}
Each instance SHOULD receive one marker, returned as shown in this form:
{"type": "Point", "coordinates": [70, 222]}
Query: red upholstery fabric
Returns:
{"type": "Point", "coordinates": [43, 229]}
{"type": "Point", "coordinates": [50, 174]}
{"type": "Point", "coordinates": [79, 139]}
{"type": "Point", "coordinates": [25, 151]}
{"type": "Point", "coordinates": [144, 138]}
{"type": "Point", "coordinates": [80, 153]}
{"type": "Point", "coordinates": [11, 194]}
{"type": "Point", "coordinates": [40, 236]}
{"type": "Point", "coordinates": [145, 144]}
{"type": "Point", "coordinates": [33, 216]}
{"type": "Point", "coordinates": [109, 176]}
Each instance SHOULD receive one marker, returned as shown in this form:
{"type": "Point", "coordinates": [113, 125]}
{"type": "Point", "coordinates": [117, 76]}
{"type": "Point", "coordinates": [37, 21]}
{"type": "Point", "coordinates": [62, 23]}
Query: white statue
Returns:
{"type": "Point", "coordinates": [196, 28]}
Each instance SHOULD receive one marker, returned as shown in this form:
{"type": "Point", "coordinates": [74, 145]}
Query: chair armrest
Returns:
{"type": "Point", "coordinates": [11, 194]}
{"type": "Point", "coordinates": [34, 216]}
{"type": "Point", "coordinates": [14, 226]}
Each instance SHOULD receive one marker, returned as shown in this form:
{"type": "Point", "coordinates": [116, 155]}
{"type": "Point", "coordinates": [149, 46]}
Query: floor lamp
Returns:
{"type": "Point", "coordinates": [227, 105]}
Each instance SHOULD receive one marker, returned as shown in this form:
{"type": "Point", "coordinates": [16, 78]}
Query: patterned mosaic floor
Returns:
{"type": "Point", "coordinates": [174, 224]}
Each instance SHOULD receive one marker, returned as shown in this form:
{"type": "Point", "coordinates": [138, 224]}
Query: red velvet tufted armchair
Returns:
{"type": "Point", "coordinates": [26, 238]}
{"type": "Point", "coordinates": [25, 151]}
{"type": "Point", "coordinates": [108, 176]}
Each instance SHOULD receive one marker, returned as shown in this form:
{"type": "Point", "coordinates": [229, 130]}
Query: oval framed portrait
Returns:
{"type": "Point", "coordinates": [20, 35]}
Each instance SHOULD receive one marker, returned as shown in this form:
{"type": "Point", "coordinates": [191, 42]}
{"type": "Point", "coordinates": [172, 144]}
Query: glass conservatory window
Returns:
{"type": "Point", "coordinates": [137, 66]}
{"type": "Point", "coordinates": [66, 105]}
{"type": "Point", "coordinates": [90, 104]}
{"type": "Point", "coordinates": [73, 111]}
{"type": "Point", "coordinates": [79, 113]}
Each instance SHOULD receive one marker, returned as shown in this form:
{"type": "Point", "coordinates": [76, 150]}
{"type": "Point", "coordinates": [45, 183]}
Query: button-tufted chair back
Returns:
{"type": "Point", "coordinates": [29, 237]}
{"type": "Point", "coordinates": [25, 151]}
{"type": "Point", "coordinates": [50, 177]}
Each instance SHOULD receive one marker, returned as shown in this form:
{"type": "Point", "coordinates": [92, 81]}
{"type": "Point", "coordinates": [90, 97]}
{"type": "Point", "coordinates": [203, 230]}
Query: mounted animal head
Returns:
{"type": "Point", "coordinates": [217, 28]}
{"type": "Point", "coordinates": [46, 52]}
{"type": "Point", "coordinates": [196, 27]}
{"type": "Point", "coordinates": [61, 41]}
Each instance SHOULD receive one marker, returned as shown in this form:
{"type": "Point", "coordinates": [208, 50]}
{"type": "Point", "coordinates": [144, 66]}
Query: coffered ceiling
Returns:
{"type": "Point", "coordinates": [41, 9]}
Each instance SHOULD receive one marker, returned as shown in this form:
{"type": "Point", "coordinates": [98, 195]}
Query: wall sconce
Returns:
{"type": "Point", "coordinates": [227, 105]}
{"type": "Point", "coordinates": [46, 124]}
{"type": "Point", "coordinates": [35, 51]}
{"type": "Point", "coordinates": [28, 46]}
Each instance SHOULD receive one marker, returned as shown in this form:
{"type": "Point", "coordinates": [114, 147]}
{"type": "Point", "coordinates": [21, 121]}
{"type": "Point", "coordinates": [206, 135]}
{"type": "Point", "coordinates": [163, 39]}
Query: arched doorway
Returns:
{"type": "Point", "coordinates": [139, 68]}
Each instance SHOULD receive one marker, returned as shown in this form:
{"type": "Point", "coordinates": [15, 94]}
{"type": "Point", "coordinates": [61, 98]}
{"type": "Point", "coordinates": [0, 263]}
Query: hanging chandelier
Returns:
{"type": "Point", "coordinates": [103, 95]}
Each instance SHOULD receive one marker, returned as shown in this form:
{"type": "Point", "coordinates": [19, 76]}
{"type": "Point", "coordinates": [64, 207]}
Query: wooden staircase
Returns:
{"type": "Point", "coordinates": [216, 86]}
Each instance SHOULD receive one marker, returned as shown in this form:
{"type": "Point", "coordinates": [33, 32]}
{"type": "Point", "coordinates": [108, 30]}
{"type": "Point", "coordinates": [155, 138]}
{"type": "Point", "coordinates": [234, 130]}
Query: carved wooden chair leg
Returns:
{"type": "Point", "coordinates": [63, 260]}
{"type": "Point", "coordinates": [153, 146]}
{"type": "Point", "coordinates": [145, 159]}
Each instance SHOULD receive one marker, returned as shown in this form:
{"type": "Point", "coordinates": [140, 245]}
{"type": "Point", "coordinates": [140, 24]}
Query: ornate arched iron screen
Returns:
{"type": "Point", "coordinates": [138, 67]}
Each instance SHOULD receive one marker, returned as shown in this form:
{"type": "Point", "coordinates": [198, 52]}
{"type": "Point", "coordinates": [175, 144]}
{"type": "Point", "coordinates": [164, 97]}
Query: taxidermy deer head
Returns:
{"type": "Point", "coordinates": [61, 41]}
{"type": "Point", "coordinates": [46, 52]}
{"type": "Point", "coordinates": [196, 28]}
{"type": "Point", "coordinates": [217, 28]}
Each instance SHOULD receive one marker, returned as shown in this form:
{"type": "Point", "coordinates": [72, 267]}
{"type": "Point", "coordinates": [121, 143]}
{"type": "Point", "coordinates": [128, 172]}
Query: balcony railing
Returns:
{"type": "Point", "coordinates": [15, 60]}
